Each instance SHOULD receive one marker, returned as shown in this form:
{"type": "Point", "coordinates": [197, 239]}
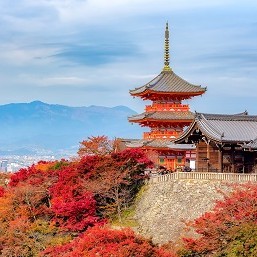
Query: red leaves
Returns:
{"type": "Point", "coordinates": [52, 202]}
{"type": "Point", "coordinates": [22, 175]}
{"type": "Point", "coordinates": [51, 192]}
{"type": "Point", "coordinates": [1, 191]}
{"type": "Point", "coordinates": [132, 157]}
{"type": "Point", "coordinates": [34, 175]}
{"type": "Point", "coordinates": [75, 213]}
{"type": "Point", "coordinates": [216, 228]}
{"type": "Point", "coordinates": [106, 242]}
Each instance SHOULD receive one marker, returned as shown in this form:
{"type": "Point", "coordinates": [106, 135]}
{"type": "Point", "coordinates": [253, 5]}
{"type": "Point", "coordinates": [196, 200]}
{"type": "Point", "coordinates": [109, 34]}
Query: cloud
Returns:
{"type": "Point", "coordinates": [31, 14]}
{"type": "Point", "coordinates": [94, 51]}
{"type": "Point", "coordinates": [62, 81]}
{"type": "Point", "coordinates": [95, 54]}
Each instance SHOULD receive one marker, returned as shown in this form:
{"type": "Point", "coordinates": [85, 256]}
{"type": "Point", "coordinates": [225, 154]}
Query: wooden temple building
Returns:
{"type": "Point", "coordinates": [167, 116]}
{"type": "Point", "coordinates": [224, 143]}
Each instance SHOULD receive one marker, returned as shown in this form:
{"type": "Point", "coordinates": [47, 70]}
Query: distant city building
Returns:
{"type": "Point", "coordinates": [3, 165]}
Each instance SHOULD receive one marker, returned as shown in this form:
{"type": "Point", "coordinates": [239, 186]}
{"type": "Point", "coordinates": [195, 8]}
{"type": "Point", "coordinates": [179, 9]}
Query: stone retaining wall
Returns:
{"type": "Point", "coordinates": [164, 207]}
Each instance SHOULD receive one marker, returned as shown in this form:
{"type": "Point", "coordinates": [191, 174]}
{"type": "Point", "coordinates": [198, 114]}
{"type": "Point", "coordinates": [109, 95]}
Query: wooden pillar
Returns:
{"type": "Point", "coordinates": [233, 158]}
{"type": "Point", "coordinates": [207, 142]}
{"type": "Point", "coordinates": [220, 158]}
{"type": "Point", "coordinates": [197, 157]}
{"type": "Point", "coordinates": [208, 155]}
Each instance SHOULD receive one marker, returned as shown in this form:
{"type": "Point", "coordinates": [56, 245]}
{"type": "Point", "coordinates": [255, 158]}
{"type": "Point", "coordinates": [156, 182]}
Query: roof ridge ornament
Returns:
{"type": "Point", "coordinates": [167, 50]}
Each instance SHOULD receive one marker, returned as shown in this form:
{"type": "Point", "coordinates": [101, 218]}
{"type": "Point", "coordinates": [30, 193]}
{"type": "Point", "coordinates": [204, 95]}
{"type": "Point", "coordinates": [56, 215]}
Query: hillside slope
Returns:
{"type": "Point", "coordinates": [38, 125]}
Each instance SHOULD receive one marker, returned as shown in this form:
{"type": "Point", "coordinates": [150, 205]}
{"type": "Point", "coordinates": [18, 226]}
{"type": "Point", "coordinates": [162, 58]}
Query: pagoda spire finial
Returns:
{"type": "Point", "coordinates": [167, 50]}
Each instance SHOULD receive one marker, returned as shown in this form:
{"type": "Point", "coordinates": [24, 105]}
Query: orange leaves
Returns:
{"type": "Point", "coordinates": [45, 166]}
{"type": "Point", "coordinates": [99, 145]}
{"type": "Point", "coordinates": [107, 242]}
{"type": "Point", "coordinates": [218, 228]}
{"type": "Point", "coordinates": [50, 203]}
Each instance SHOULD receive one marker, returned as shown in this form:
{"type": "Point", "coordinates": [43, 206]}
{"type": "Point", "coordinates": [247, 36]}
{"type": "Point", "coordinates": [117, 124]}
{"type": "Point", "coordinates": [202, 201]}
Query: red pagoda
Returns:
{"type": "Point", "coordinates": [167, 116]}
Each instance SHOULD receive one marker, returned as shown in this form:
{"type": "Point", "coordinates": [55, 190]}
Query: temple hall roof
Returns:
{"type": "Point", "coordinates": [174, 146]}
{"type": "Point", "coordinates": [252, 145]}
{"type": "Point", "coordinates": [155, 143]}
{"type": "Point", "coordinates": [169, 82]}
{"type": "Point", "coordinates": [163, 116]}
{"type": "Point", "coordinates": [159, 143]}
{"type": "Point", "coordinates": [222, 128]}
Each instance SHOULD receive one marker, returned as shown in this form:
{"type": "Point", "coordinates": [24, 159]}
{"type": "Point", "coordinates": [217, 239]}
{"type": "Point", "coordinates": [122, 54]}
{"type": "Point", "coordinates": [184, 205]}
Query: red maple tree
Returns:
{"type": "Point", "coordinates": [217, 228]}
{"type": "Point", "coordinates": [107, 242]}
{"type": "Point", "coordinates": [51, 203]}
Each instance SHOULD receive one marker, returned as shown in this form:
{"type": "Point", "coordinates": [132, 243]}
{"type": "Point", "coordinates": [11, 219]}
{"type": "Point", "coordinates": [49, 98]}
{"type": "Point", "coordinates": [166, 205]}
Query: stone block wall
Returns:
{"type": "Point", "coordinates": [164, 207]}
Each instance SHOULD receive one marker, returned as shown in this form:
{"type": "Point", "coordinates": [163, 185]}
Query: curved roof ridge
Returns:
{"type": "Point", "coordinates": [169, 82]}
{"type": "Point", "coordinates": [252, 144]}
{"type": "Point", "coordinates": [224, 128]}
{"type": "Point", "coordinates": [205, 125]}
{"type": "Point", "coordinates": [243, 113]}
{"type": "Point", "coordinates": [186, 132]}
{"type": "Point", "coordinates": [145, 85]}
{"type": "Point", "coordinates": [239, 116]}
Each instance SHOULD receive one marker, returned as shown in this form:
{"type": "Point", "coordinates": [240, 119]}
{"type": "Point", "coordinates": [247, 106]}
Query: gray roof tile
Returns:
{"type": "Point", "coordinates": [168, 81]}
{"type": "Point", "coordinates": [156, 143]}
{"type": "Point", "coordinates": [224, 128]}
{"type": "Point", "coordinates": [229, 127]}
{"type": "Point", "coordinates": [252, 145]}
{"type": "Point", "coordinates": [159, 143]}
{"type": "Point", "coordinates": [163, 115]}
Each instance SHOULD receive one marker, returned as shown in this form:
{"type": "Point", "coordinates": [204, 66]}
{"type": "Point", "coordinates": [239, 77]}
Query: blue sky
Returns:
{"type": "Point", "coordinates": [91, 52]}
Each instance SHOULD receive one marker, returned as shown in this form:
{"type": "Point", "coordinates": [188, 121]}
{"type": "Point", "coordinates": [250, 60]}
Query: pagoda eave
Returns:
{"type": "Point", "coordinates": [153, 95]}
{"type": "Point", "coordinates": [147, 123]}
{"type": "Point", "coordinates": [167, 116]}
{"type": "Point", "coordinates": [156, 148]}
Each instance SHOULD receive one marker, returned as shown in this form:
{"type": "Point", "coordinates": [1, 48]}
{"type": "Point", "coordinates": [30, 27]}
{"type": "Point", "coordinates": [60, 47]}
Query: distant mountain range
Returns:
{"type": "Point", "coordinates": [31, 128]}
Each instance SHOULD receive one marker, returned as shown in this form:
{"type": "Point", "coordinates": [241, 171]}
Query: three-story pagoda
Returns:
{"type": "Point", "coordinates": [167, 116]}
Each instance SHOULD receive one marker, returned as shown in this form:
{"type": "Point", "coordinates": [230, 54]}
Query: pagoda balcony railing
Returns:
{"type": "Point", "coordinates": [167, 107]}
{"type": "Point", "coordinates": [230, 177]}
{"type": "Point", "coordinates": [161, 134]}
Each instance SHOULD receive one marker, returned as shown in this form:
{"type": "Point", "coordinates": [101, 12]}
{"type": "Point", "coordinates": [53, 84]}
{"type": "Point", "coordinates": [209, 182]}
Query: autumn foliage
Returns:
{"type": "Point", "coordinates": [97, 145]}
{"type": "Point", "coordinates": [64, 208]}
{"type": "Point", "coordinates": [230, 228]}
{"type": "Point", "coordinates": [107, 242]}
{"type": "Point", "coordinates": [53, 206]}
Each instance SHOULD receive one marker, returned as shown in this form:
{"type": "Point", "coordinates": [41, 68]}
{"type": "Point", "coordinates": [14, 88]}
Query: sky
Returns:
{"type": "Point", "coordinates": [92, 52]}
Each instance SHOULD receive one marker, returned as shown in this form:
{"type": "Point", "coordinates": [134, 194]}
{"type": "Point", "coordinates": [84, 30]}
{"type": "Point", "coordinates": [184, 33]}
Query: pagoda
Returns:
{"type": "Point", "coordinates": [167, 116]}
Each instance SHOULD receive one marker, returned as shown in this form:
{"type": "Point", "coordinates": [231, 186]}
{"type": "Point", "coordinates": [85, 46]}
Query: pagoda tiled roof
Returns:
{"type": "Point", "coordinates": [169, 82]}
{"type": "Point", "coordinates": [162, 116]}
{"type": "Point", "coordinates": [155, 143]}
{"type": "Point", "coordinates": [222, 128]}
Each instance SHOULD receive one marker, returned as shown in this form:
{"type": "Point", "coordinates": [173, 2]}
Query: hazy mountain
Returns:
{"type": "Point", "coordinates": [35, 126]}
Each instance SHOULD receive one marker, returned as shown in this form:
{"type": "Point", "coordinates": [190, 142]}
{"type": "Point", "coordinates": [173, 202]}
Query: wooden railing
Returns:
{"type": "Point", "coordinates": [161, 134]}
{"type": "Point", "coordinates": [230, 177]}
{"type": "Point", "coordinates": [167, 107]}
